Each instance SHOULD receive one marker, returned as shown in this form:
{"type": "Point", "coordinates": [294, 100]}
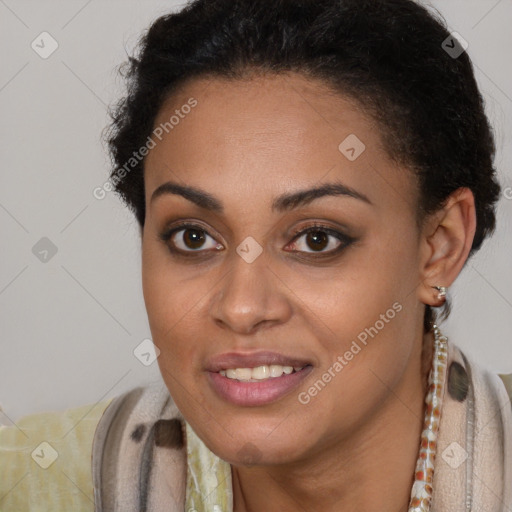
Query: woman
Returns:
{"type": "Point", "coordinates": [309, 178]}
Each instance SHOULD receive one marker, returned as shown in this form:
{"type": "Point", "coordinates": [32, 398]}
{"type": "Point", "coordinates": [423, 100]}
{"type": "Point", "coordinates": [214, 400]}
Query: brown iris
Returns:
{"type": "Point", "coordinates": [195, 237]}
{"type": "Point", "coordinates": [317, 239]}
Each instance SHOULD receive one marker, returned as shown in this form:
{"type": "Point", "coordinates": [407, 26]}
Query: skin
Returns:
{"type": "Point", "coordinates": [354, 445]}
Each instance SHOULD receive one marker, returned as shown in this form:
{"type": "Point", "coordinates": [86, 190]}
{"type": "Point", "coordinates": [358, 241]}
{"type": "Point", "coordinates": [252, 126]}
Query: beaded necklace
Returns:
{"type": "Point", "coordinates": [421, 492]}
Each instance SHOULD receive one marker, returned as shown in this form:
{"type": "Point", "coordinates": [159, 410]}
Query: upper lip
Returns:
{"type": "Point", "coordinates": [252, 360]}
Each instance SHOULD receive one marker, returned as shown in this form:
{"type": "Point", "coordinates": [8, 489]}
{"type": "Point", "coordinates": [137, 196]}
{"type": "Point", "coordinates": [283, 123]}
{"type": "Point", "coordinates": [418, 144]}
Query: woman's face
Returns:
{"type": "Point", "coordinates": [244, 286]}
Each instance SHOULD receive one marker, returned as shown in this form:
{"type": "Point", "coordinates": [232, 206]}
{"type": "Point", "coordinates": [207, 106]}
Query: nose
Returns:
{"type": "Point", "coordinates": [251, 297]}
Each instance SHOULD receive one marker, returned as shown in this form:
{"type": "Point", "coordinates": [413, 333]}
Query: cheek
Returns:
{"type": "Point", "coordinates": [167, 302]}
{"type": "Point", "coordinates": [380, 271]}
{"type": "Point", "coordinates": [175, 299]}
{"type": "Point", "coordinates": [371, 303]}
{"type": "Point", "coordinates": [167, 296]}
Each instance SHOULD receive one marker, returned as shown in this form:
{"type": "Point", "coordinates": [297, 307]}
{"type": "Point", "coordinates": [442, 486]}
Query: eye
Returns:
{"type": "Point", "coordinates": [189, 238]}
{"type": "Point", "coordinates": [320, 239]}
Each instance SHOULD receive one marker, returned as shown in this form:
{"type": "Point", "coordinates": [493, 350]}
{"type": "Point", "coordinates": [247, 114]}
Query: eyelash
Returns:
{"type": "Point", "coordinates": [345, 240]}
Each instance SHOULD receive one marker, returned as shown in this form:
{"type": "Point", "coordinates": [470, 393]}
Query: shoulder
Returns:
{"type": "Point", "coordinates": [45, 460]}
{"type": "Point", "coordinates": [88, 458]}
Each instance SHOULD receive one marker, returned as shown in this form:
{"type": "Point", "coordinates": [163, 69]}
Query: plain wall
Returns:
{"type": "Point", "coordinates": [69, 325]}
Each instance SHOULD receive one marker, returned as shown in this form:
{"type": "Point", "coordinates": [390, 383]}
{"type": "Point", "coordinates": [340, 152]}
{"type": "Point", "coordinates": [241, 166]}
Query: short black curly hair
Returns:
{"type": "Point", "coordinates": [389, 55]}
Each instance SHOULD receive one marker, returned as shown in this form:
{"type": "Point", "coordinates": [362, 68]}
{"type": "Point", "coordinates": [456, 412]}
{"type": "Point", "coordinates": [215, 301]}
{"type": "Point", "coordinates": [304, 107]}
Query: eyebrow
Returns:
{"type": "Point", "coordinates": [282, 203]}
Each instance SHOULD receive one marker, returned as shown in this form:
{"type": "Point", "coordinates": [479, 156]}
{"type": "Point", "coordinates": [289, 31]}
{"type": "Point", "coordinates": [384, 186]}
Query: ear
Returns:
{"type": "Point", "coordinates": [446, 240]}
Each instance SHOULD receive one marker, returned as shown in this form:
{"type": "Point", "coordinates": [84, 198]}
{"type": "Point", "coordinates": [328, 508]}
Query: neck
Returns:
{"type": "Point", "coordinates": [372, 469]}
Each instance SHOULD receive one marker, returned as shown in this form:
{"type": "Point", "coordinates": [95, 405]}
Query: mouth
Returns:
{"type": "Point", "coordinates": [260, 373]}
{"type": "Point", "coordinates": [256, 379]}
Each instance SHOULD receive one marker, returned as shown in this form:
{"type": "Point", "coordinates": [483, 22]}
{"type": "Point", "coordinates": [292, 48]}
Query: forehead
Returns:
{"type": "Point", "coordinates": [269, 134]}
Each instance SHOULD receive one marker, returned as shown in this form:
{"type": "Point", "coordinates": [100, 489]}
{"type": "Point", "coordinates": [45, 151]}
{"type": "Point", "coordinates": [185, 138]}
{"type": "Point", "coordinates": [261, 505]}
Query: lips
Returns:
{"type": "Point", "coordinates": [252, 360]}
{"type": "Point", "coordinates": [260, 392]}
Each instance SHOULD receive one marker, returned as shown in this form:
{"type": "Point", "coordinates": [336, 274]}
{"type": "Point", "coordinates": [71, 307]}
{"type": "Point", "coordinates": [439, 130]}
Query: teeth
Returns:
{"type": "Point", "coordinates": [259, 373]}
{"type": "Point", "coordinates": [276, 370]}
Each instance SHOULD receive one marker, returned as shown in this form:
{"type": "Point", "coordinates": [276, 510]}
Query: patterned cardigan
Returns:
{"type": "Point", "coordinates": [135, 452]}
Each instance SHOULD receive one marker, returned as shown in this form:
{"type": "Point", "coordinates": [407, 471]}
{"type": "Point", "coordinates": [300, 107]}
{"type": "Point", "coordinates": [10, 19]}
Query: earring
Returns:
{"type": "Point", "coordinates": [442, 292]}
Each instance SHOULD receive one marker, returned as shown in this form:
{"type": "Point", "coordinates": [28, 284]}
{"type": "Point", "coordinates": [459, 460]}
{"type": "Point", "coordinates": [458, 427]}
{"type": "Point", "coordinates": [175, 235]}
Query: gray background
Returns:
{"type": "Point", "coordinates": [69, 325]}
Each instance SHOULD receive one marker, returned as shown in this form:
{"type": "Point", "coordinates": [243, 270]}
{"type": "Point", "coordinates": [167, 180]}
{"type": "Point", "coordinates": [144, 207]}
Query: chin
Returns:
{"type": "Point", "coordinates": [258, 449]}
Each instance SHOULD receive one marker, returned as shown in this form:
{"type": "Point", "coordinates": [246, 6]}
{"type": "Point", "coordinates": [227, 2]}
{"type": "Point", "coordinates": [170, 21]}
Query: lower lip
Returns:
{"type": "Point", "coordinates": [256, 393]}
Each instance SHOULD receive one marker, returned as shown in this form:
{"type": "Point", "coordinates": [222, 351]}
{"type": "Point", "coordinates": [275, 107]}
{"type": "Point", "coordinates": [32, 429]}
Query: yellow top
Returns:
{"type": "Point", "coordinates": [43, 461]}
{"type": "Point", "coordinates": [45, 465]}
